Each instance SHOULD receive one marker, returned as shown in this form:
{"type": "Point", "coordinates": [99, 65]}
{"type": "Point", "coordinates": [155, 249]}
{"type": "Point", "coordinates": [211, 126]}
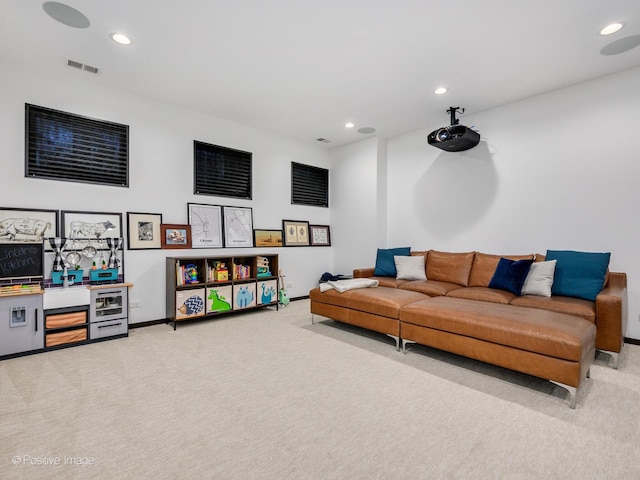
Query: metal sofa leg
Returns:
{"type": "Point", "coordinates": [572, 393]}
{"type": "Point", "coordinates": [397, 339]}
{"type": "Point", "coordinates": [404, 345]}
{"type": "Point", "coordinates": [614, 355]}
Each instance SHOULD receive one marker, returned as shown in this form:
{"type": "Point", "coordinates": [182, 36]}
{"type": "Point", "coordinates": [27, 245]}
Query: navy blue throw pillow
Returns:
{"type": "Point", "coordinates": [385, 265]}
{"type": "Point", "coordinates": [510, 275]}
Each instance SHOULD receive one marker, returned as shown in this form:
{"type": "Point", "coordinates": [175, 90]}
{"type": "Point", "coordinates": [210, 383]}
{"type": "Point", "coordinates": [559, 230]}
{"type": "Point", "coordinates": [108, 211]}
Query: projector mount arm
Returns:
{"type": "Point", "coordinates": [452, 111]}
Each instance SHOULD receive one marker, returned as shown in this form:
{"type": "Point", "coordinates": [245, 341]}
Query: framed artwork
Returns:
{"type": "Point", "coordinates": [238, 226]}
{"type": "Point", "coordinates": [175, 236]}
{"type": "Point", "coordinates": [296, 233]}
{"type": "Point", "coordinates": [319, 235]}
{"type": "Point", "coordinates": [143, 231]}
{"type": "Point", "coordinates": [206, 225]}
{"type": "Point", "coordinates": [86, 226]}
{"type": "Point", "coordinates": [267, 238]}
{"type": "Point", "coordinates": [27, 225]}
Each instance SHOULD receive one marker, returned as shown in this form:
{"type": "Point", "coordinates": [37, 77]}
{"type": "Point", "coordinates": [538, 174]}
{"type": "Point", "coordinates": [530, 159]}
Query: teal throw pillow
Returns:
{"type": "Point", "coordinates": [510, 275]}
{"type": "Point", "coordinates": [578, 274]}
{"type": "Point", "coordinates": [385, 264]}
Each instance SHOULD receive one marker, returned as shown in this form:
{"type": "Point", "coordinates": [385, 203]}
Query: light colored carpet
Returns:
{"type": "Point", "coordinates": [267, 395]}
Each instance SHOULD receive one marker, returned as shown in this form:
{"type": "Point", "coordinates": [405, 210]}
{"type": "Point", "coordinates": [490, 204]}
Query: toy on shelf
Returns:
{"type": "Point", "coordinates": [191, 273]}
{"type": "Point", "coordinates": [262, 264]}
{"type": "Point", "coordinates": [220, 274]}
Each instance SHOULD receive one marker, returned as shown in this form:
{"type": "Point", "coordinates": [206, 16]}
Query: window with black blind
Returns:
{"type": "Point", "coordinates": [221, 171]}
{"type": "Point", "coordinates": [309, 185]}
{"type": "Point", "coordinates": [67, 147]}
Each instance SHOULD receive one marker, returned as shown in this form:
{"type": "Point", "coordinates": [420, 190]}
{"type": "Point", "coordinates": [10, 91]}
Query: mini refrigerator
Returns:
{"type": "Point", "coordinates": [21, 324]}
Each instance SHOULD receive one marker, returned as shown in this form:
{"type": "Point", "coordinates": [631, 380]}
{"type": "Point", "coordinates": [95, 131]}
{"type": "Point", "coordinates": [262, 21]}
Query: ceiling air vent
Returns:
{"type": "Point", "coordinates": [83, 66]}
{"type": "Point", "coordinates": [74, 64]}
{"type": "Point", "coordinates": [90, 69]}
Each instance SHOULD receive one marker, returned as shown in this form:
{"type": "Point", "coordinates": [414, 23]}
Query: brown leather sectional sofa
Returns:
{"type": "Point", "coordinates": [554, 338]}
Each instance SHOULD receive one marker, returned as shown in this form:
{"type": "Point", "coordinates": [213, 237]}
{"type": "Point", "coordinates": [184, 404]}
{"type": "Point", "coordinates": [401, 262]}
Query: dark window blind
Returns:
{"type": "Point", "coordinates": [309, 185]}
{"type": "Point", "coordinates": [67, 147]}
{"type": "Point", "coordinates": [221, 171]}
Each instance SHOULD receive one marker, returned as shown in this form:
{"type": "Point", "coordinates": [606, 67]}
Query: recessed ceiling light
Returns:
{"type": "Point", "coordinates": [611, 28]}
{"type": "Point", "coordinates": [120, 38]}
{"type": "Point", "coordinates": [349, 125]}
{"type": "Point", "coordinates": [440, 90]}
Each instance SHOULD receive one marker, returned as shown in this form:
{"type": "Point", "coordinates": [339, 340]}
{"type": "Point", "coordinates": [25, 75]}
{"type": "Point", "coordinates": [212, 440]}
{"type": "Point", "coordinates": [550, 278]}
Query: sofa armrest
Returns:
{"type": "Point", "coordinates": [363, 272]}
{"type": "Point", "coordinates": [611, 313]}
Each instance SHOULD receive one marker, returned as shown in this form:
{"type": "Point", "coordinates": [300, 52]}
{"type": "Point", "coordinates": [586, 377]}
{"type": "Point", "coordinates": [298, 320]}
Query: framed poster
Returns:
{"type": "Point", "coordinates": [296, 233]}
{"type": "Point", "coordinates": [143, 231]}
{"type": "Point", "coordinates": [27, 225]}
{"type": "Point", "coordinates": [238, 226]}
{"type": "Point", "coordinates": [86, 225]}
{"type": "Point", "coordinates": [319, 235]}
{"type": "Point", "coordinates": [175, 236]}
{"type": "Point", "coordinates": [206, 225]}
{"type": "Point", "coordinates": [267, 238]}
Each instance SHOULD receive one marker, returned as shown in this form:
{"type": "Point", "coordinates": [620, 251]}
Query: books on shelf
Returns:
{"type": "Point", "coordinates": [241, 272]}
{"type": "Point", "coordinates": [179, 274]}
{"type": "Point", "coordinates": [186, 274]}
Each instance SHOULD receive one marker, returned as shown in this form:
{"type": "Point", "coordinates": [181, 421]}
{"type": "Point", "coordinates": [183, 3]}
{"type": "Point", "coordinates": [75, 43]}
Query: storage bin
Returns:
{"type": "Point", "coordinates": [74, 276]}
{"type": "Point", "coordinates": [103, 275]}
{"type": "Point", "coordinates": [70, 336]}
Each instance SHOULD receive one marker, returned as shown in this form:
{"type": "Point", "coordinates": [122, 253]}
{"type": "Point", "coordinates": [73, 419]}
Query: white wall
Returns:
{"type": "Point", "coordinates": [161, 173]}
{"type": "Point", "coordinates": [557, 171]}
{"type": "Point", "coordinates": [354, 205]}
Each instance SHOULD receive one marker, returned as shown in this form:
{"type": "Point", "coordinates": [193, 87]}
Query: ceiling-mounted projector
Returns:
{"type": "Point", "coordinates": [455, 137]}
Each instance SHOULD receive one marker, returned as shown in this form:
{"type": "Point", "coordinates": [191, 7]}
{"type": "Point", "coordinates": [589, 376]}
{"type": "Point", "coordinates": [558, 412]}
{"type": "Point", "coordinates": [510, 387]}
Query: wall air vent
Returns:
{"type": "Point", "coordinates": [83, 66]}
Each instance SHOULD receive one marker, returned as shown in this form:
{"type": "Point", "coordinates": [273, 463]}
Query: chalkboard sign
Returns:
{"type": "Point", "coordinates": [21, 260]}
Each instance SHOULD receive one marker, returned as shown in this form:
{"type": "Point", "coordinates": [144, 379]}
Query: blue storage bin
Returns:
{"type": "Point", "coordinates": [74, 276]}
{"type": "Point", "coordinates": [103, 275]}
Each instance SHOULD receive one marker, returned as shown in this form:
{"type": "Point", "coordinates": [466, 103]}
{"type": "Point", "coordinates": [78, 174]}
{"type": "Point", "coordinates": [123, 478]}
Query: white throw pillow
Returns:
{"type": "Point", "coordinates": [410, 267]}
{"type": "Point", "coordinates": [540, 279]}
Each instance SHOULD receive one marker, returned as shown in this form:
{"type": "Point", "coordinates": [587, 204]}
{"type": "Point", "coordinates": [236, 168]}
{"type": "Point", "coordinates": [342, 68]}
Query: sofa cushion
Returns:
{"type": "Point", "coordinates": [433, 288]}
{"type": "Point", "coordinates": [549, 333]}
{"type": "Point", "coordinates": [573, 306]}
{"type": "Point", "coordinates": [510, 275]}
{"type": "Point", "coordinates": [381, 301]}
{"type": "Point", "coordinates": [539, 279]}
{"type": "Point", "coordinates": [484, 266]}
{"type": "Point", "coordinates": [411, 267]}
{"type": "Point", "coordinates": [578, 274]}
{"type": "Point", "coordinates": [485, 294]}
{"type": "Point", "coordinates": [449, 267]}
{"type": "Point", "coordinates": [385, 265]}
{"type": "Point", "coordinates": [389, 281]}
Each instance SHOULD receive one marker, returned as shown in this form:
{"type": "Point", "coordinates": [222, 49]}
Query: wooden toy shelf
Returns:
{"type": "Point", "coordinates": [203, 287]}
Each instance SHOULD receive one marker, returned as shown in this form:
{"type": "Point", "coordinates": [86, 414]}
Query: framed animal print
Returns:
{"type": "Point", "coordinates": [27, 225]}
{"type": "Point", "coordinates": [91, 225]}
